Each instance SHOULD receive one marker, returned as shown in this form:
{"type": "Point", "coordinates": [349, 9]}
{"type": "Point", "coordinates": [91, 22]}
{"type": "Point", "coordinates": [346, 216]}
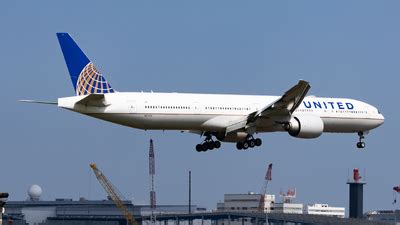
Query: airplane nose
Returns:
{"type": "Point", "coordinates": [381, 119]}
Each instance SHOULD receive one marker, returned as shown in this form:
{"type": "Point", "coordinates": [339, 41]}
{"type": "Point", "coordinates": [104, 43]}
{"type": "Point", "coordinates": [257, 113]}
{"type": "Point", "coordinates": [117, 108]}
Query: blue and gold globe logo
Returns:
{"type": "Point", "coordinates": [91, 81]}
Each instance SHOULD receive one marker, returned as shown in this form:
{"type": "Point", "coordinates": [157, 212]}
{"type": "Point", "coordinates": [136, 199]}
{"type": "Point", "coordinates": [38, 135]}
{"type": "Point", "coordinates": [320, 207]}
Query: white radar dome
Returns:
{"type": "Point", "coordinates": [34, 192]}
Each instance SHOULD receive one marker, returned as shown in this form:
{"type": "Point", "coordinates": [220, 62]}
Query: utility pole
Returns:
{"type": "Point", "coordinates": [190, 195]}
{"type": "Point", "coordinates": [190, 192]}
{"type": "Point", "coordinates": [152, 172]}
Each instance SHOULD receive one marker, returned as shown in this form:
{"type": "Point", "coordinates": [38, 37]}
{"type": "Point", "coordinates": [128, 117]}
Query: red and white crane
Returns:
{"type": "Point", "coordinates": [267, 178]}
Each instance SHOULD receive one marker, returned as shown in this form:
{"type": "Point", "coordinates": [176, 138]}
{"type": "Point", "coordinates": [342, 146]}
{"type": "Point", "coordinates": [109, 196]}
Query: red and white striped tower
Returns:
{"type": "Point", "coordinates": [152, 171]}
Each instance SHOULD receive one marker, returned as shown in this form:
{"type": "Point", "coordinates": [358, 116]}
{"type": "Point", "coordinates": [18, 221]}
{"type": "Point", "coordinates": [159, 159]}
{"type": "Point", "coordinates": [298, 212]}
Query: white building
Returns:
{"type": "Point", "coordinates": [293, 208]}
{"type": "Point", "coordinates": [249, 203]}
{"type": "Point", "coordinates": [245, 202]}
{"type": "Point", "coordinates": [325, 210]}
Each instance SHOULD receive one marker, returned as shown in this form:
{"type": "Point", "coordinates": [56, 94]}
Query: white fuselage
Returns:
{"type": "Point", "coordinates": [214, 112]}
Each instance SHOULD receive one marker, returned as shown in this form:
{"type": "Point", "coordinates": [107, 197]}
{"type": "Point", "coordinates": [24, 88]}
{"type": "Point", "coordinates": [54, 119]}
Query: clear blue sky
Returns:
{"type": "Point", "coordinates": [343, 48]}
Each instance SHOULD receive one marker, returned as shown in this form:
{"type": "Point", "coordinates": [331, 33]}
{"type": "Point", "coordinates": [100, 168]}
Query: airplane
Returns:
{"type": "Point", "coordinates": [216, 117]}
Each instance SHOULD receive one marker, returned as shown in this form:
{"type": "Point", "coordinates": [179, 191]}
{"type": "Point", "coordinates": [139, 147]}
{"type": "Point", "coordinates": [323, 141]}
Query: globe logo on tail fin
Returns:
{"type": "Point", "coordinates": [91, 81]}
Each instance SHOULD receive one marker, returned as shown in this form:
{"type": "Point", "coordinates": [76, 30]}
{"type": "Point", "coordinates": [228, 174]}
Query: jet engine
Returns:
{"type": "Point", "coordinates": [305, 126]}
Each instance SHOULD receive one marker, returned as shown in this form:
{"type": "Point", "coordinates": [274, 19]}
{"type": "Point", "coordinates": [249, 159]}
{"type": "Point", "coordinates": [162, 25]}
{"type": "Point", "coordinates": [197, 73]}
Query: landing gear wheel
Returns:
{"type": "Point", "coordinates": [258, 142]}
{"type": "Point", "coordinates": [204, 146]}
{"type": "Point", "coordinates": [217, 144]}
{"type": "Point", "coordinates": [210, 145]}
{"type": "Point", "coordinates": [239, 146]}
{"type": "Point", "coordinates": [360, 144]}
{"type": "Point", "coordinates": [245, 145]}
{"type": "Point", "coordinates": [252, 143]}
{"type": "Point", "coordinates": [199, 148]}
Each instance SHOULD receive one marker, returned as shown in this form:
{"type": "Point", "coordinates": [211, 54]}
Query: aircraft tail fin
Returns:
{"type": "Point", "coordinates": [85, 78]}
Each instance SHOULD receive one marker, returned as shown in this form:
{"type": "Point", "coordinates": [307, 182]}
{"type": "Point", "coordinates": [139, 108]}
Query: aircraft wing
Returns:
{"type": "Point", "coordinates": [289, 102]}
{"type": "Point", "coordinates": [279, 111]}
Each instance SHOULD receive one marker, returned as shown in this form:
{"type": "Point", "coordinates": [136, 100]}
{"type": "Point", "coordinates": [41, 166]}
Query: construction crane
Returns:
{"type": "Point", "coordinates": [114, 194]}
{"type": "Point", "coordinates": [152, 172]}
{"type": "Point", "coordinates": [268, 177]}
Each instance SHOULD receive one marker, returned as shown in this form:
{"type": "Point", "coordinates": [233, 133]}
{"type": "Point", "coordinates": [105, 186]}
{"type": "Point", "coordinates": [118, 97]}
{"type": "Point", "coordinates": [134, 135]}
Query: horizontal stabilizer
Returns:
{"type": "Point", "coordinates": [93, 100]}
{"type": "Point", "coordinates": [39, 102]}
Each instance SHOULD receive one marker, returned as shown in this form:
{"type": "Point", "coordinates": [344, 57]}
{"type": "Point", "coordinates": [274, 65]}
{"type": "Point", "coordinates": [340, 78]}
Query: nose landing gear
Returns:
{"type": "Point", "coordinates": [360, 143]}
{"type": "Point", "coordinates": [250, 142]}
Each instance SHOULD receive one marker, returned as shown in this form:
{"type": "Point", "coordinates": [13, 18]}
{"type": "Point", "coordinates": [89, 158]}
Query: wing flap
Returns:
{"type": "Point", "coordinates": [236, 126]}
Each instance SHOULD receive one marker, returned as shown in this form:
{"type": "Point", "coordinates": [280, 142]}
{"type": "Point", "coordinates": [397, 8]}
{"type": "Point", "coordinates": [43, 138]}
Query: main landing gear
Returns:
{"type": "Point", "coordinates": [208, 144]}
{"type": "Point", "coordinates": [360, 143]}
{"type": "Point", "coordinates": [250, 142]}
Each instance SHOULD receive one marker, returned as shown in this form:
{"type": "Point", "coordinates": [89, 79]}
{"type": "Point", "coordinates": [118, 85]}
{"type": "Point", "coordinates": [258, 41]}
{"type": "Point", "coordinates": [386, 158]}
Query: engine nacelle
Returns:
{"type": "Point", "coordinates": [232, 137]}
{"type": "Point", "coordinates": [305, 126]}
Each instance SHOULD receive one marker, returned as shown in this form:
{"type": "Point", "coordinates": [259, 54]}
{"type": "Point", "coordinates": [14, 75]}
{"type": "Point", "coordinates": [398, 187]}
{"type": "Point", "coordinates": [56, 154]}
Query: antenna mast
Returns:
{"type": "Point", "coordinates": [152, 171]}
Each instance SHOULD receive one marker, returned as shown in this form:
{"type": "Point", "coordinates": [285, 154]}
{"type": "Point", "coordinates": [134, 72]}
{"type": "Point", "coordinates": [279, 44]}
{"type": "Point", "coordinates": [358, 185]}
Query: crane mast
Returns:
{"type": "Point", "coordinates": [268, 177]}
{"type": "Point", "coordinates": [114, 194]}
